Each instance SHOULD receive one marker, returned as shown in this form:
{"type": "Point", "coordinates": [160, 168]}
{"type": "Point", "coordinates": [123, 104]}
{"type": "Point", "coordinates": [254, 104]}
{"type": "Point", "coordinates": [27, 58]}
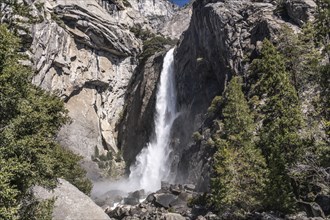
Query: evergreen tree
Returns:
{"type": "Point", "coordinates": [323, 23]}
{"type": "Point", "coordinates": [279, 135]}
{"type": "Point", "coordinates": [240, 169]}
{"type": "Point", "coordinates": [324, 150]}
{"type": "Point", "coordinates": [29, 121]}
{"type": "Point", "coordinates": [301, 56]}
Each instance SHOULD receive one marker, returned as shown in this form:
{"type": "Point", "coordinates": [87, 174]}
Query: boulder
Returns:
{"type": "Point", "coordinates": [109, 198]}
{"type": "Point", "coordinates": [70, 203]}
{"type": "Point", "coordinates": [179, 205]}
{"type": "Point", "coordinates": [312, 209]}
{"type": "Point", "coordinates": [324, 202]}
{"type": "Point", "coordinates": [164, 199]}
{"type": "Point", "coordinates": [211, 216]}
{"type": "Point", "coordinates": [139, 194]}
{"type": "Point", "coordinates": [173, 216]}
{"type": "Point", "coordinates": [175, 189]}
{"type": "Point", "coordinates": [119, 212]}
{"type": "Point", "coordinates": [165, 185]}
{"type": "Point", "coordinates": [131, 201]}
{"type": "Point", "coordinates": [151, 198]}
{"type": "Point", "coordinates": [190, 187]}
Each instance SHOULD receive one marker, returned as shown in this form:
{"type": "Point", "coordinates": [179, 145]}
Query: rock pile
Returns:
{"type": "Point", "coordinates": [171, 202]}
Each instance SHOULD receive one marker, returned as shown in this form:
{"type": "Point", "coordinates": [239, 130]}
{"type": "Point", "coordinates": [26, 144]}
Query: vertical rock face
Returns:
{"type": "Point", "coordinates": [156, 12]}
{"type": "Point", "coordinates": [221, 36]}
{"type": "Point", "coordinates": [178, 23]}
{"type": "Point", "coordinates": [137, 125]}
{"type": "Point", "coordinates": [86, 59]}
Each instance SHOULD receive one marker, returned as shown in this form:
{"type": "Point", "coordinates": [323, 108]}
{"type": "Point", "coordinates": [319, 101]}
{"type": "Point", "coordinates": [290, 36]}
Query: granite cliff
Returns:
{"type": "Point", "coordinates": [92, 54]}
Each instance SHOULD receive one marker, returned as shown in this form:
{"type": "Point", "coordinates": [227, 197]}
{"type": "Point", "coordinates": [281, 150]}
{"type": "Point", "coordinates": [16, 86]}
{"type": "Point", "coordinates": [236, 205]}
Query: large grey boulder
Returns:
{"type": "Point", "coordinates": [164, 199]}
{"type": "Point", "coordinates": [173, 216]}
{"type": "Point", "coordinates": [70, 203]}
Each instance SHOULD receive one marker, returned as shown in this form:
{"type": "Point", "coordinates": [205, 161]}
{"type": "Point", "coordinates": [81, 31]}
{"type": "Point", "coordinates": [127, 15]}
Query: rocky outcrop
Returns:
{"type": "Point", "coordinates": [70, 203]}
{"type": "Point", "coordinates": [221, 39]}
{"type": "Point", "coordinates": [300, 11]}
{"type": "Point", "coordinates": [178, 23]}
{"type": "Point", "coordinates": [84, 57]}
{"type": "Point", "coordinates": [156, 13]}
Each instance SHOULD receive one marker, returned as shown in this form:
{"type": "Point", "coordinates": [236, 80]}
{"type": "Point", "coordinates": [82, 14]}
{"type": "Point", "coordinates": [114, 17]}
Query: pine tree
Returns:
{"type": "Point", "coordinates": [301, 56]}
{"type": "Point", "coordinates": [322, 24]}
{"type": "Point", "coordinates": [279, 135]}
{"type": "Point", "coordinates": [240, 169]}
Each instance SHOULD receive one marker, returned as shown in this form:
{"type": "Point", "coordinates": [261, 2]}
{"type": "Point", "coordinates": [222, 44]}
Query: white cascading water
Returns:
{"type": "Point", "coordinates": [152, 164]}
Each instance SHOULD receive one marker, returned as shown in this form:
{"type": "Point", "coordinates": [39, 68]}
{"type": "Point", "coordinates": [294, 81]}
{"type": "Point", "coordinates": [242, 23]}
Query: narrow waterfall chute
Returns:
{"type": "Point", "coordinates": [153, 163]}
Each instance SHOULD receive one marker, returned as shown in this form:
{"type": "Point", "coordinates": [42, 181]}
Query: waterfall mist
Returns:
{"type": "Point", "coordinates": [153, 163]}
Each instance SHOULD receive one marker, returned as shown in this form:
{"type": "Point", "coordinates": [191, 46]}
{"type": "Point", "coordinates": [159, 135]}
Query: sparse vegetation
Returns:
{"type": "Point", "coordinates": [197, 136]}
{"type": "Point", "coordinates": [58, 20]}
{"type": "Point", "coordinates": [154, 45]}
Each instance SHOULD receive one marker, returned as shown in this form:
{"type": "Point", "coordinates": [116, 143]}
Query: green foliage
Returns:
{"type": "Point", "coordinates": [301, 56]}
{"type": "Point", "coordinates": [139, 32]}
{"type": "Point", "coordinates": [325, 97]}
{"type": "Point", "coordinates": [58, 20]}
{"type": "Point", "coordinates": [154, 45]}
{"type": "Point", "coordinates": [240, 169]}
{"type": "Point", "coordinates": [197, 136]}
{"type": "Point", "coordinates": [118, 157]}
{"type": "Point", "coordinates": [322, 23]}
{"type": "Point", "coordinates": [126, 3]}
{"type": "Point", "coordinates": [39, 6]}
{"type": "Point", "coordinates": [215, 105]}
{"type": "Point", "coordinates": [69, 169]}
{"type": "Point", "coordinates": [202, 200]}
{"type": "Point", "coordinates": [29, 121]}
{"type": "Point", "coordinates": [279, 135]}
{"type": "Point", "coordinates": [280, 8]}
{"type": "Point", "coordinates": [151, 43]}
{"type": "Point", "coordinates": [33, 209]}
{"type": "Point", "coordinates": [20, 8]}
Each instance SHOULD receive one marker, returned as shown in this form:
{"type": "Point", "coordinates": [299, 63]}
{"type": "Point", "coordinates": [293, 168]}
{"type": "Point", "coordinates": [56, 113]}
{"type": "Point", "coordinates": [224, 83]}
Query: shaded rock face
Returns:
{"type": "Point", "coordinates": [70, 203]}
{"type": "Point", "coordinates": [300, 11]}
{"type": "Point", "coordinates": [137, 122]}
{"type": "Point", "coordinates": [221, 37]}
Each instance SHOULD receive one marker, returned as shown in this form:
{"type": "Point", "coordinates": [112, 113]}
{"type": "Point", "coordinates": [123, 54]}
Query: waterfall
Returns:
{"type": "Point", "coordinates": [153, 163]}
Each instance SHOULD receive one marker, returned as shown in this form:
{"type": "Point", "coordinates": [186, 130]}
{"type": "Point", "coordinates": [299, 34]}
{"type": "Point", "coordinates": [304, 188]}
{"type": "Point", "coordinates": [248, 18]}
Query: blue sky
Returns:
{"type": "Point", "coordinates": [180, 2]}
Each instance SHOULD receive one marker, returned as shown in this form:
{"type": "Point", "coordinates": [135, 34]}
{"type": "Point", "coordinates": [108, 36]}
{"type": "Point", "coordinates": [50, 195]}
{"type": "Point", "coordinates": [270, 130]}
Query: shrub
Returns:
{"type": "Point", "coordinates": [197, 136]}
